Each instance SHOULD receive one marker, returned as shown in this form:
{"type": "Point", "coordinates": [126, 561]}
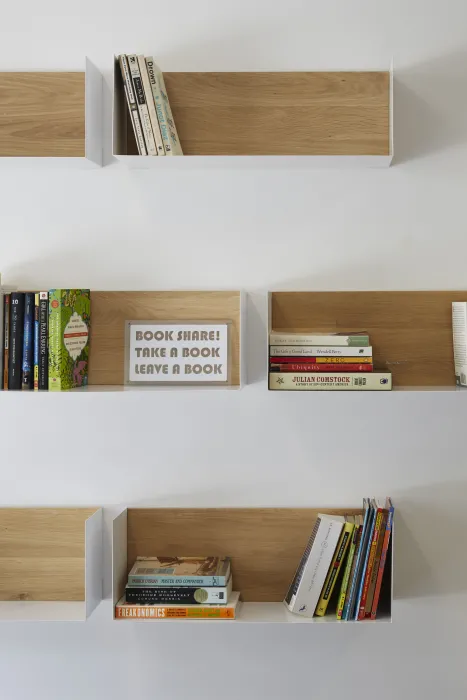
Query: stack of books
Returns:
{"type": "Point", "coordinates": [45, 339]}
{"type": "Point", "coordinates": [345, 556]}
{"type": "Point", "coordinates": [179, 587]}
{"type": "Point", "coordinates": [148, 104]}
{"type": "Point", "coordinates": [315, 361]}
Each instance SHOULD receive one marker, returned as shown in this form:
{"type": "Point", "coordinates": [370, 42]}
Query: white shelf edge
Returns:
{"type": "Point", "coordinates": [305, 161]}
{"type": "Point", "coordinates": [42, 611]}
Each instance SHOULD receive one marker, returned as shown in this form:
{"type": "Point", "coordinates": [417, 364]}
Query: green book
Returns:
{"type": "Point", "coordinates": [348, 567]}
{"type": "Point", "coordinates": [69, 327]}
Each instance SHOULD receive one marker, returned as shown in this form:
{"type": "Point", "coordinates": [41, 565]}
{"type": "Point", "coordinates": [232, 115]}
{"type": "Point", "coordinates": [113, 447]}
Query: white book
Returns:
{"type": "Point", "coordinates": [305, 589]}
{"type": "Point", "coordinates": [151, 106]}
{"type": "Point", "coordinates": [157, 96]}
{"type": "Point", "coordinates": [154, 70]}
{"type": "Point", "coordinates": [316, 350]}
{"type": "Point", "coordinates": [132, 105]}
{"type": "Point", "coordinates": [459, 336]}
{"type": "Point", "coordinates": [330, 381]}
{"type": "Point", "coordinates": [142, 106]}
{"type": "Point", "coordinates": [340, 339]}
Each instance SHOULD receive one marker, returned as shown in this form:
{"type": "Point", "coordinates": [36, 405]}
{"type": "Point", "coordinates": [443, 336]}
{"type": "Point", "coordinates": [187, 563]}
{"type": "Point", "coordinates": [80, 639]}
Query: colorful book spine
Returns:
{"type": "Point", "coordinates": [375, 569]}
{"type": "Point", "coordinates": [350, 603]}
{"type": "Point", "coordinates": [15, 358]}
{"type": "Point", "coordinates": [160, 111]}
{"type": "Point", "coordinates": [125, 610]}
{"type": "Point", "coordinates": [69, 320]}
{"type": "Point", "coordinates": [366, 554]}
{"type": "Point", "coordinates": [320, 360]}
{"type": "Point", "coordinates": [382, 563]}
{"type": "Point", "coordinates": [142, 106]}
{"type": "Point", "coordinates": [6, 339]}
{"type": "Point", "coordinates": [36, 342]}
{"type": "Point", "coordinates": [335, 568]}
{"type": "Point", "coordinates": [345, 611]}
{"type": "Point", "coordinates": [373, 545]}
{"type": "Point", "coordinates": [354, 340]}
{"type": "Point", "coordinates": [43, 341]}
{"type": "Point", "coordinates": [188, 595]}
{"type": "Point", "coordinates": [151, 106]}
{"type": "Point", "coordinates": [27, 367]}
{"type": "Point", "coordinates": [132, 105]}
{"type": "Point", "coordinates": [307, 367]}
{"type": "Point", "coordinates": [346, 381]}
{"type": "Point", "coordinates": [347, 571]}
{"type": "Point", "coordinates": [315, 351]}
{"type": "Point", "coordinates": [147, 580]}
{"type": "Point", "coordinates": [168, 116]}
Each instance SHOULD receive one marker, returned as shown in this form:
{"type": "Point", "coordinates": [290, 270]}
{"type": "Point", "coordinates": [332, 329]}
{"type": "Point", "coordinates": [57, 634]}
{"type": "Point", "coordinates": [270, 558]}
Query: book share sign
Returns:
{"type": "Point", "coordinates": [177, 353]}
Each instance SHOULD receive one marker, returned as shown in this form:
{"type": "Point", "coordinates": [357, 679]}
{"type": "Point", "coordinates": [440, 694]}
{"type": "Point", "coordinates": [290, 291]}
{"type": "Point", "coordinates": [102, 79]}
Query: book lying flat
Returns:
{"type": "Point", "coordinates": [129, 611]}
{"type": "Point", "coordinates": [180, 571]}
{"type": "Point", "coordinates": [346, 381]}
{"type": "Point", "coordinates": [359, 339]}
{"type": "Point", "coordinates": [187, 595]}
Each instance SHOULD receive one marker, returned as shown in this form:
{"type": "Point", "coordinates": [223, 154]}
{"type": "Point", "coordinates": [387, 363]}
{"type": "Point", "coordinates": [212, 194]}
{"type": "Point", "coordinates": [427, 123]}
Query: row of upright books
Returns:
{"type": "Point", "coordinates": [179, 587]}
{"type": "Point", "coordinates": [45, 339]}
{"type": "Point", "coordinates": [149, 107]}
{"type": "Point", "coordinates": [344, 564]}
{"type": "Point", "coordinates": [317, 361]}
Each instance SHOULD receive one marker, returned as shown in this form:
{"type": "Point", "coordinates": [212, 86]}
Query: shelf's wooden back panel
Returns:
{"type": "Point", "coordinates": [110, 310]}
{"type": "Point", "coordinates": [265, 544]}
{"type": "Point", "coordinates": [42, 114]}
{"type": "Point", "coordinates": [42, 553]}
{"type": "Point", "coordinates": [293, 113]}
{"type": "Point", "coordinates": [411, 332]}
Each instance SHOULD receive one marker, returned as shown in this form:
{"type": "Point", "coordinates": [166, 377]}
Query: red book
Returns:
{"type": "Point", "coordinates": [290, 367]}
{"type": "Point", "coordinates": [382, 563]}
{"type": "Point", "coordinates": [371, 557]}
{"type": "Point", "coordinates": [334, 361]}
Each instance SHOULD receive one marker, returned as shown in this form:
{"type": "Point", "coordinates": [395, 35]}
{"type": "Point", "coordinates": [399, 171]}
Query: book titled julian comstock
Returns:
{"type": "Point", "coordinates": [69, 327]}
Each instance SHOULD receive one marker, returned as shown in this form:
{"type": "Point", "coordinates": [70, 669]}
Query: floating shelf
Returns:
{"type": "Point", "coordinates": [51, 118]}
{"type": "Point", "coordinates": [411, 332]}
{"type": "Point", "coordinates": [50, 563]}
{"type": "Point", "coordinates": [265, 544]}
{"type": "Point", "coordinates": [328, 117]}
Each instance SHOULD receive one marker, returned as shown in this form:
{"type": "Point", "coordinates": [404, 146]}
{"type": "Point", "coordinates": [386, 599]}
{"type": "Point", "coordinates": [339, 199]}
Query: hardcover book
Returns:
{"type": "Point", "coordinates": [315, 351]}
{"type": "Point", "coordinates": [124, 610]}
{"type": "Point", "coordinates": [341, 339]}
{"type": "Point", "coordinates": [309, 367]}
{"type": "Point", "coordinates": [69, 324]}
{"type": "Point", "coordinates": [15, 358]}
{"type": "Point", "coordinates": [180, 571]}
{"type": "Point", "coordinates": [346, 381]}
{"type": "Point", "coordinates": [321, 360]}
{"type": "Point", "coordinates": [27, 375]}
{"type": "Point", "coordinates": [188, 595]}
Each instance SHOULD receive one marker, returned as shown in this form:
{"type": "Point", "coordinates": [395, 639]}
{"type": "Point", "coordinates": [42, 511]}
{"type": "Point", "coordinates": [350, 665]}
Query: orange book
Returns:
{"type": "Point", "coordinates": [371, 558]}
{"type": "Point", "coordinates": [128, 611]}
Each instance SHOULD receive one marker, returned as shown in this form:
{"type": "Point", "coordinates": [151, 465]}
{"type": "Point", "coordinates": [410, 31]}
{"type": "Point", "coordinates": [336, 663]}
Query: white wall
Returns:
{"type": "Point", "coordinates": [403, 228]}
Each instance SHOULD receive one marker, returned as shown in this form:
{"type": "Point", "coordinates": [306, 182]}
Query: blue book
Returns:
{"type": "Point", "coordinates": [36, 342]}
{"type": "Point", "coordinates": [349, 605]}
{"type": "Point", "coordinates": [365, 556]}
{"type": "Point", "coordinates": [27, 375]}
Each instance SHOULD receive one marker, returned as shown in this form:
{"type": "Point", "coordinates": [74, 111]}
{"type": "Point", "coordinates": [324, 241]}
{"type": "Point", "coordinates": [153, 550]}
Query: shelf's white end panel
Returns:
{"type": "Point", "coordinates": [119, 557]}
{"type": "Point", "coordinates": [93, 558]}
{"type": "Point", "coordinates": [391, 109]}
{"type": "Point", "coordinates": [42, 611]}
{"type": "Point", "coordinates": [93, 113]}
{"type": "Point", "coordinates": [243, 336]}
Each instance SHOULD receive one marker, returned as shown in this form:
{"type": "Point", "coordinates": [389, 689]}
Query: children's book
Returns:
{"type": "Point", "coordinates": [69, 328]}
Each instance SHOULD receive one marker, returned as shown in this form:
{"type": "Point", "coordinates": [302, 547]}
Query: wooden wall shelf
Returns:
{"type": "Point", "coordinates": [51, 118]}
{"type": "Point", "coordinates": [265, 544]}
{"type": "Point", "coordinates": [330, 117]}
{"type": "Point", "coordinates": [50, 563]}
{"type": "Point", "coordinates": [411, 332]}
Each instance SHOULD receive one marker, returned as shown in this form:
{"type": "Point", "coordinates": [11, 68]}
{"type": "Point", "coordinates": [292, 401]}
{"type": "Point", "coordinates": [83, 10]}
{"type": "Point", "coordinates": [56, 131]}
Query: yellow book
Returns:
{"type": "Point", "coordinates": [338, 558]}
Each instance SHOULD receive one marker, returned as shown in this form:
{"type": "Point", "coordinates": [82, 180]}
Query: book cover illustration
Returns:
{"type": "Point", "coordinates": [69, 328]}
{"type": "Point", "coordinates": [181, 571]}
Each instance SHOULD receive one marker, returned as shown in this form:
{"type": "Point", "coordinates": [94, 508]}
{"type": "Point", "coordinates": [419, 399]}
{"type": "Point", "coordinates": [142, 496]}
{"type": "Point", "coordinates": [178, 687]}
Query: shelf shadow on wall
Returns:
{"type": "Point", "coordinates": [430, 104]}
{"type": "Point", "coordinates": [429, 550]}
{"type": "Point", "coordinates": [256, 346]}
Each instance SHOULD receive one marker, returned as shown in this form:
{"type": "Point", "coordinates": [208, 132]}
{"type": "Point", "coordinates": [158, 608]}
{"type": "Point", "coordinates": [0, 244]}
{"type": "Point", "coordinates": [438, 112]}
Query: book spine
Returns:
{"type": "Point", "coordinates": [43, 341]}
{"type": "Point", "coordinates": [160, 111]}
{"type": "Point", "coordinates": [54, 340]}
{"type": "Point", "coordinates": [16, 340]}
{"type": "Point", "coordinates": [291, 594]}
{"type": "Point", "coordinates": [36, 341]}
{"type": "Point", "coordinates": [334, 570]}
{"type": "Point", "coordinates": [288, 381]}
{"type": "Point", "coordinates": [171, 128]}
{"type": "Point", "coordinates": [346, 575]}
{"type": "Point", "coordinates": [345, 609]}
{"type": "Point", "coordinates": [142, 106]}
{"type": "Point", "coordinates": [307, 367]}
{"type": "Point", "coordinates": [6, 338]}
{"type": "Point", "coordinates": [354, 341]}
{"type": "Point", "coordinates": [132, 105]}
{"type": "Point", "coordinates": [382, 563]}
{"type": "Point", "coordinates": [313, 352]}
{"type": "Point", "coordinates": [362, 570]}
{"type": "Point", "coordinates": [189, 595]}
{"type": "Point", "coordinates": [371, 560]}
{"type": "Point", "coordinates": [375, 568]}
{"type": "Point", "coordinates": [288, 360]}
{"type": "Point", "coordinates": [459, 336]}
{"type": "Point", "coordinates": [350, 603]}
{"type": "Point", "coordinates": [27, 374]}
{"type": "Point", "coordinates": [151, 106]}
{"type": "Point", "coordinates": [161, 612]}
{"type": "Point", "coordinates": [146, 580]}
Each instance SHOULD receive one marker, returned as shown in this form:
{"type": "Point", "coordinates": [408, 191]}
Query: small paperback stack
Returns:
{"type": "Point", "coordinates": [352, 550]}
{"type": "Point", "coordinates": [179, 587]}
{"type": "Point", "coordinates": [149, 108]}
{"type": "Point", "coordinates": [314, 361]}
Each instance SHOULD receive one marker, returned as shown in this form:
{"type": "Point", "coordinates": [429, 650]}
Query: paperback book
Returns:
{"type": "Point", "coordinates": [313, 352]}
{"type": "Point", "coordinates": [340, 339]}
{"type": "Point", "coordinates": [346, 381]}
{"type": "Point", "coordinates": [190, 595]}
{"type": "Point", "coordinates": [180, 571]}
{"type": "Point", "coordinates": [69, 326]}
{"type": "Point", "coordinates": [124, 610]}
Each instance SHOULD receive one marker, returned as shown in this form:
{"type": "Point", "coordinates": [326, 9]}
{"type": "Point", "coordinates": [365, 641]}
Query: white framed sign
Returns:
{"type": "Point", "coordinates": [178, 352]}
